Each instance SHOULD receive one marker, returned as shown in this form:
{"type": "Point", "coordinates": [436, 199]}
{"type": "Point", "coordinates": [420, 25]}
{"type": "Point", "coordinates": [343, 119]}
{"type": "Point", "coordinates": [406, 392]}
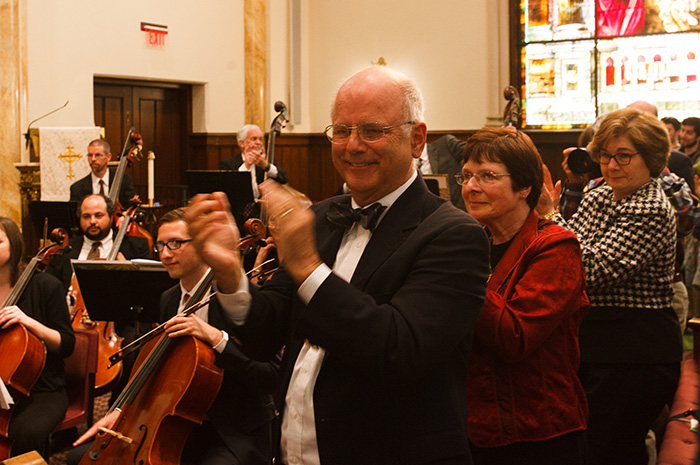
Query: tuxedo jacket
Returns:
{"type": "Point", "coordinates": [235, 162]}
{"type": "Point", "coordinates": [391, 389]}
{"type": "Point", "coordinates": [83, 187]}
{"type": "Point", "coordinates": [59, 266]}
{"type": "Point", "coordinates": [445, 156]}
{"type": "Point", "coordinates": [244, 403]}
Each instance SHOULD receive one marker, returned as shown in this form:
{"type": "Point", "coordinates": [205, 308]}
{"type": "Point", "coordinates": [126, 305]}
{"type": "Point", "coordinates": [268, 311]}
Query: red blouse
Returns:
{"type": "Point", "coordinates": [522, 383]}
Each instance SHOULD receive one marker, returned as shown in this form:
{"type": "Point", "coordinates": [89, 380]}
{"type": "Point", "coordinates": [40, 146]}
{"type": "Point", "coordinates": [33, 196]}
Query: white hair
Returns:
{"type": "Point", "coordinates": [243, 132]}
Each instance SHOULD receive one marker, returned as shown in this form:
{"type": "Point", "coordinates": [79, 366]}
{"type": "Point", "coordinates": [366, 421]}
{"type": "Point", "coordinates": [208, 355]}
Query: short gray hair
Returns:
{"type": "Point", "coordinates": [243, 132]}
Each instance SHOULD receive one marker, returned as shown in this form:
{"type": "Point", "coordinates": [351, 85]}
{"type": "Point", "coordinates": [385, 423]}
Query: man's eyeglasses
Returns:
{"type": "Point", "coordinates": [368, 132]}
{"type": "Point", "coordinates": [483, 178]}
{"type": "Point", "coordinates": [621, 158]}
{"type": "Point", "coordinates": [172, 244]}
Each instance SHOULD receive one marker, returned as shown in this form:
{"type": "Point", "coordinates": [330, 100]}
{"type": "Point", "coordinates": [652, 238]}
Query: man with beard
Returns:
{"type": "Point", "coordinates": [95, 213]}
{"type": "Point", "coordinates": [690, 140]}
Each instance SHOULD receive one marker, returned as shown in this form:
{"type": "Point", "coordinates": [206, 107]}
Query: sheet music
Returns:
{"type": "Point", "coordinates": [5, 397]}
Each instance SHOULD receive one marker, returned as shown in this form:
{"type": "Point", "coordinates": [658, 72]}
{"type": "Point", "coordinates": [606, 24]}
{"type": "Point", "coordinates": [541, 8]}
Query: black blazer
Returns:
{"type": "Point", "coordinates": [234, 162]}
{"type": "Point", "coordinates": [59, 266]}
{"type": "Point", "coordinates": [244, 404]}
{"type": "Point", "coordinates": [83, 187]}
{"type": "Point", "coordinates": [391, 389]}
{"type": "Point", "coordinates": [445, 156]}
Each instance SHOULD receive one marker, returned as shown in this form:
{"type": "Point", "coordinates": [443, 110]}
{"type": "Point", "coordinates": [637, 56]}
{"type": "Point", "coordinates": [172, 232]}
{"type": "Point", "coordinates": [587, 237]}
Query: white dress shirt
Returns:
{"type": "Point", "coordinates": [272, 172]}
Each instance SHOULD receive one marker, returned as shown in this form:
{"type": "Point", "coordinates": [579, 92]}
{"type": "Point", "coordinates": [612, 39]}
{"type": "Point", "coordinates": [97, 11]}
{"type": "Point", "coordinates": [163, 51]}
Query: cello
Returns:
{"type": "Point", "coordinates": [130, 152]}
{"type": "Point", "coordinates": [173, 385]}
{"type": "Point", "coordinates": [22, 353]}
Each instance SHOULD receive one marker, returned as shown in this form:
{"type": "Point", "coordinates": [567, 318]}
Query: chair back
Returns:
{"type": "Point", "coordinates": [80, 379]}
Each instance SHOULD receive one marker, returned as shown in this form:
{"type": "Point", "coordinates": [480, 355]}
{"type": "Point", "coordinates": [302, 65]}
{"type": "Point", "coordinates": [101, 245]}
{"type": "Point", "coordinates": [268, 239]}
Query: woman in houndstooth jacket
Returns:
{"type": "Point", "coordinates": [630, 340]}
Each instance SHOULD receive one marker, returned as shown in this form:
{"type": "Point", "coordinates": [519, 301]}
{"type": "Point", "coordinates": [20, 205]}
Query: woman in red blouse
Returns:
{"type": "Point", "coordinates": [526, 404]}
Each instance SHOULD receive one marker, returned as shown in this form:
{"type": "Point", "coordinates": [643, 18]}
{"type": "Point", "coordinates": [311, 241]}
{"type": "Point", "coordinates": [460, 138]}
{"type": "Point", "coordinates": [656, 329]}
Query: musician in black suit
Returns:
{"type": "Point", "coordinates": [253, 157]}
{"type": "Point", "coordinates": [95, 213]}
{"type": "Point", "coordinates": [444, 156]}
{"type": "Point", "coordinates": [376, 316]}
{"type": "Point", "coordinates": [238, 426]}
{"type": "Point", "coordinates": [99, 154]}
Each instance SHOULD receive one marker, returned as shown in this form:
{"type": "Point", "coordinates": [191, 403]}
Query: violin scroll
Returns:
{"type": "Point", "coordinates": [256, 234]}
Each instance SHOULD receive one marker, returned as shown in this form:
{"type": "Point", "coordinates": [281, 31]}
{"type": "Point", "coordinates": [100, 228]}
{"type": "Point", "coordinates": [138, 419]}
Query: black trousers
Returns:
{"type": "Point", "coordinates": [34, 419]}
{"type": "Point", "coordinates": [623, 402]}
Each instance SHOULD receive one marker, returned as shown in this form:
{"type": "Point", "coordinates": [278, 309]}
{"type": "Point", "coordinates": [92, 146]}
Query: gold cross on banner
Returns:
{"type": "Point", "coordinates": [70, 156]}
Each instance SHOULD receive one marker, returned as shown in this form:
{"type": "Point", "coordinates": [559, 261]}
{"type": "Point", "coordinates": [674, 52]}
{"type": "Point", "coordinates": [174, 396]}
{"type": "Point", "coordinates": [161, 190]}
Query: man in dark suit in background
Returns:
{"type": "Point", "coordinates": [377, 319]}
{"type": "Point", "coordinates": [444, 156]}
{"type": "Point", "coordinates": [253, 158]}
{"type": "Point", "coordinates": [97, 182]}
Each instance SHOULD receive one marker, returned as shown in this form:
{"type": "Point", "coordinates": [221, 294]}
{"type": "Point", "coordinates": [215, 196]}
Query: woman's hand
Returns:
{"type": "Point", "coordinates": [13, 315]}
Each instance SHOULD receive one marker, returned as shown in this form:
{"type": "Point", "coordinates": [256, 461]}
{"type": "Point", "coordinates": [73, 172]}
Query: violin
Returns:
{"type": "Point", "coordinates": [22, 353]}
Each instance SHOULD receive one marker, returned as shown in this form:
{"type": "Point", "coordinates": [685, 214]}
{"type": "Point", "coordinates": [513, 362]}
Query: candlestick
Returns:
{"type": "Point", "coordinates": [151, 178]}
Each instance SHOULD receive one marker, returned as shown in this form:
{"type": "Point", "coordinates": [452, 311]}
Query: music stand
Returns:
{"type": "Point", "coordinates": [59, 215]}
{"type": "Point", "coordinates": [122, 291]}
{"type": "Point", "coordinates": [236, 184]}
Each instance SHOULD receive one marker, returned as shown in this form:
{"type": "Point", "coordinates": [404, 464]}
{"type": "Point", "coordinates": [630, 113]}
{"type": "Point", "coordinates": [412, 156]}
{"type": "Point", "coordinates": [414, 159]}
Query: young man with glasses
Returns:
{"type": "Point", "coordinates": [238, 425]}
{"type": "Point", "coordinates": [376, 315]}
{"type": "Point", "coordinates": [98, 181]}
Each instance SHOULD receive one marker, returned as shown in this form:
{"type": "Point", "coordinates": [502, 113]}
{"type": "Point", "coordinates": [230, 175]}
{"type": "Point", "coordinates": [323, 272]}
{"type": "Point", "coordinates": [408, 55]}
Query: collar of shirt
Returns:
{"type": "Point", "coordinates": [389, 199]}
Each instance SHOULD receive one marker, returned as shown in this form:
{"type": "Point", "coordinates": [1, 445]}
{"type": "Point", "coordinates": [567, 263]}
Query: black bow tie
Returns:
{"type": "Point", "coordinates": [343, 215]}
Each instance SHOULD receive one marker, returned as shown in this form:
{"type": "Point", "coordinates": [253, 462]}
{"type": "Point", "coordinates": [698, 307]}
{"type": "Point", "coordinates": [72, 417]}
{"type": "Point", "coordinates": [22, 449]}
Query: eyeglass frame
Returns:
{"type": "Point", "coordinates": [359, 131]}
{"type": "Point", "coordinates": [463, 181]}
{"type": "Point", "coordinates": [162, 245]}
{"type": "Point", "coordinates": [610, 157]}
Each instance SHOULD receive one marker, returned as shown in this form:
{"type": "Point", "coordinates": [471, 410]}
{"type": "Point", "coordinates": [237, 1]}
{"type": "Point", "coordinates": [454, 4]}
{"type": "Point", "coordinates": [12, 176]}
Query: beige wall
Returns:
{"type": "Point", "coordinates": [450, 47]}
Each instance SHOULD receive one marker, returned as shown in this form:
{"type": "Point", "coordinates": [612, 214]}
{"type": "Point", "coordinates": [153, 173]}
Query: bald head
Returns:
{"type": "Point", "coordinates": [644, 107]}
{"type": "Point", "coordinates": [409, 95]}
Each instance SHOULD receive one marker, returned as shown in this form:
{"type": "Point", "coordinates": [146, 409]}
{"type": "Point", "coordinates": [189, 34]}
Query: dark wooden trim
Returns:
{"type": "Point", "coordinates": [307, 157]}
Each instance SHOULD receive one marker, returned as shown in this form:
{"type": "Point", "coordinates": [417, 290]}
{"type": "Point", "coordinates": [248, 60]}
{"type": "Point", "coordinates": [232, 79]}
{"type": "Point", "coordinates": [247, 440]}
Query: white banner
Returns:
{"type": "Point", "coordinates": [63, 159]}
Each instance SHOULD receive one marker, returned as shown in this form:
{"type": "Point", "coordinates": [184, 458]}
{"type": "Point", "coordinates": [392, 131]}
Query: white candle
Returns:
{"type": "Point", "coordinates": [151, 177]}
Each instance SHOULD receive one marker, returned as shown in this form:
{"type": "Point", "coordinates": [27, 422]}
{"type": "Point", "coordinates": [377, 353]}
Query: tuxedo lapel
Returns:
{"type": "Point", "coordinates": [171, 302]}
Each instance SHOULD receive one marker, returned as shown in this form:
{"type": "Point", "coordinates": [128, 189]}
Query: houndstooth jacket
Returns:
{"type": "Point", "coordinates": [628, 247]}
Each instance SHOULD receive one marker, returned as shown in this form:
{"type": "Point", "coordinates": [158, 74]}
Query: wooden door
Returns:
{"type": "Point", "coordinates": [160, 113]}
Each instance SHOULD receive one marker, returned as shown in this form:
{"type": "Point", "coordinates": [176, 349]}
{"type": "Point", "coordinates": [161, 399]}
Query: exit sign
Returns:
{"type": "Point", "coordinates": [155, 34]}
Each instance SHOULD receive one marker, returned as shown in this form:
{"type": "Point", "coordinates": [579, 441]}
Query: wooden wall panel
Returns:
{"type": "Point", "coordinates": [307, 157]}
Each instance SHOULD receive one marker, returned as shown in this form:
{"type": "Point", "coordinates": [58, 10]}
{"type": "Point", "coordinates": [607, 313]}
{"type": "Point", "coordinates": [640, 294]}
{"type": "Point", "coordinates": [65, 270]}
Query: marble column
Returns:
{"type": "Point", "coordinates": [255, 41]}
{"type": "Point", "coordinates": [13, 99]}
